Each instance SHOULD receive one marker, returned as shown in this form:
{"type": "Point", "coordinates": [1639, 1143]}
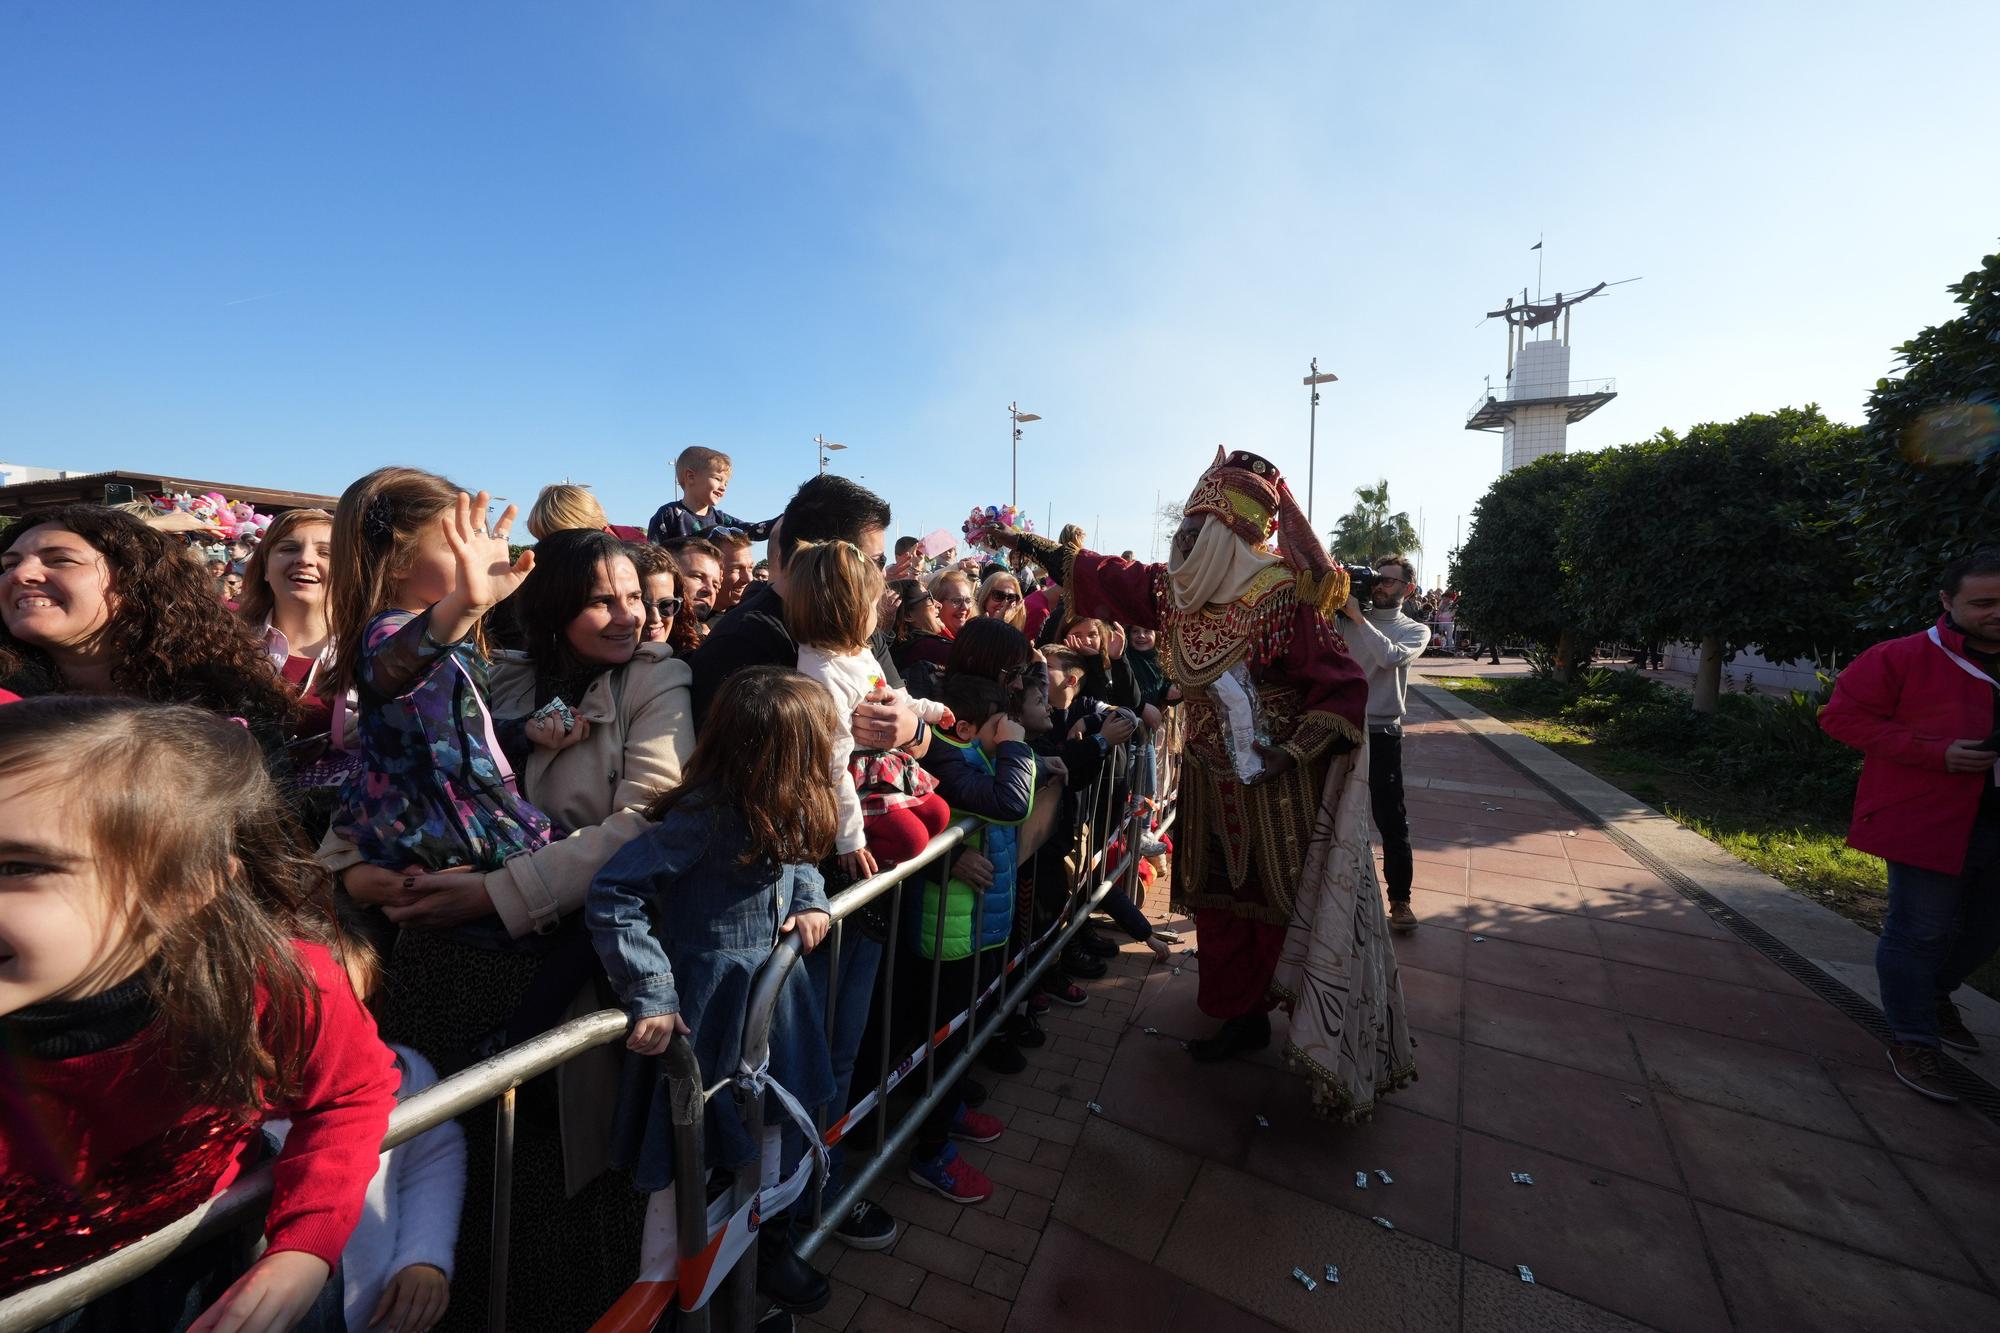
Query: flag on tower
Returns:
{"type": "Point", "coordinates": [1536, 246]}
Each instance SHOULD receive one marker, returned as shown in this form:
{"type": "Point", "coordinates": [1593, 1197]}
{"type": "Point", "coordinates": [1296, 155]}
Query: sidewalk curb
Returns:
{"type": "Point", "coordinates": [1842, 952]}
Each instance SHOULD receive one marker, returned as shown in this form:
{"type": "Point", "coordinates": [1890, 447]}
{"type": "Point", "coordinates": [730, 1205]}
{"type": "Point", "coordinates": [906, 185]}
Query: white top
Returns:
{"type": "Point", "coordinates": [410, 1213]}
{"type": "Point", "coordinates": [1385, 644]}
{"type": "Point", "coordinates": [850, 678]}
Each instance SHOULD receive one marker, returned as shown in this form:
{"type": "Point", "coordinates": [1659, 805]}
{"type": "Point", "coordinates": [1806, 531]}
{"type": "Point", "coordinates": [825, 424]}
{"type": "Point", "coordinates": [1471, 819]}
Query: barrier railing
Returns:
{"type": "Point", "coordinates": [699, 1256]}
{"type": "Point", "coordinates": [489, 1080]}
{"type": "Point", "coordinates": [695, 1223]}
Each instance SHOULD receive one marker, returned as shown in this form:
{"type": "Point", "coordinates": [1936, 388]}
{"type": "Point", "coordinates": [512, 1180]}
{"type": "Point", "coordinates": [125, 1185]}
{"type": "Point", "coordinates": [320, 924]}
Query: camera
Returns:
{"type": "Point", "coordinates": [1365, 583]}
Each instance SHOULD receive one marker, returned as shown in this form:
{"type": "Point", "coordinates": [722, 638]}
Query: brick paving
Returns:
{"type": "Point", "coordinates": [1712, 1145]}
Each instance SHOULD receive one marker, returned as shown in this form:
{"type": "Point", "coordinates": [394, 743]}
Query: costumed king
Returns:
{"type": "Point", "coordinates": [1273, 852]}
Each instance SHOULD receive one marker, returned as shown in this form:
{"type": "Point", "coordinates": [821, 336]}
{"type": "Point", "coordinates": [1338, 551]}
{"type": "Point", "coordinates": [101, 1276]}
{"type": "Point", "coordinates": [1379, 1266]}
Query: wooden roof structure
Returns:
{"type": "Point", "coordinates": [90, 488]}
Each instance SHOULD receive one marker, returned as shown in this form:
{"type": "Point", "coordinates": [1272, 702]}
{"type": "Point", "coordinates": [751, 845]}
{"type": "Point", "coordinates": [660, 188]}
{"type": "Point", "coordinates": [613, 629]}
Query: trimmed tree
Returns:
{"type": "Point", "coordinates": [1509, 578]}
{"type": "Point", "coordinates": [1926, 488]}
{"type": "Point", "coordinates": [1726, 537]}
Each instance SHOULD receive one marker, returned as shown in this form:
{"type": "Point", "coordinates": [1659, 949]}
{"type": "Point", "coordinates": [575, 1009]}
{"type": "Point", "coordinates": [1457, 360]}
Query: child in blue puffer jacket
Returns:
{"type": "Point", "coordinates": [984, 768]}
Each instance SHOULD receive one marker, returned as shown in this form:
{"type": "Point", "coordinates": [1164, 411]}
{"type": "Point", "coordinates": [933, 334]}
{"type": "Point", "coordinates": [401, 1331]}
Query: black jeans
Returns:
{"type": "Point", "coordinates": [1392, 818]}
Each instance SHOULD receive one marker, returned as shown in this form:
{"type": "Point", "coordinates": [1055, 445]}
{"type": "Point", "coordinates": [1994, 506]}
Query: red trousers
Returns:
{"type": "Point", "coordinates": [897, 835]}
{"type": "Point", "coordinates": [1239, 957]}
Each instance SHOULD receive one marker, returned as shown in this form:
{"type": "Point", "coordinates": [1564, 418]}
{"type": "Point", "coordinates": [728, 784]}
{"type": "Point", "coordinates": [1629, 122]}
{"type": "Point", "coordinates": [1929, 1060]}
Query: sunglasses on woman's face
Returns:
{"type": "Point", "coordinates": [962, 603]}
{"type": "Point", "coordinates": [1009, 598]}
{"type": "Point", "coordinates": [668, 607]}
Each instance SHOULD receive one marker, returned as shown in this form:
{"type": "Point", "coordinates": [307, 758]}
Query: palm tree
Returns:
{"type": "Point", "coordinates": [1369, 531]}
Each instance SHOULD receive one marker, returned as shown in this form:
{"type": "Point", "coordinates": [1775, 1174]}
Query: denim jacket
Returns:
{"type": "Point", "coordinates": [675, 915]}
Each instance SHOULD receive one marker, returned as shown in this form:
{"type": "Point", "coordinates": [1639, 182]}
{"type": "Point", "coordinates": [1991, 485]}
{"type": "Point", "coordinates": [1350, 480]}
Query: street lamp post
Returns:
{"type": "Point", "coordinates": [825, 446]}
{"type": "Point", "coordinates": [1312, 381]}
{"type": "Point", "coordinates": [1017, 416]}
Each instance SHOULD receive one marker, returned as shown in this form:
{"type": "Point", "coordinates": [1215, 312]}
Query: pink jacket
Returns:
{"type": "Point", "coordinates": [1901, 704]}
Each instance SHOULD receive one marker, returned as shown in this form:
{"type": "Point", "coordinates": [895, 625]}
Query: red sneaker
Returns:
{"type": "Point", "coordinates": [1038, 1003]}
{"type": "Point", "coordinates": [976, 1126]}
{"type": "Point", "coordinates": [952, 1176]}
{"type": "Point", "coordinates": [1070, 994]}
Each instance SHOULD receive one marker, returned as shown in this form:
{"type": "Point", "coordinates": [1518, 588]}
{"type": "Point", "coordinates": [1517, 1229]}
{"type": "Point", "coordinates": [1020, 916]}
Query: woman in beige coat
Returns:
{"type": "Point", "coordinates": [597, 724]}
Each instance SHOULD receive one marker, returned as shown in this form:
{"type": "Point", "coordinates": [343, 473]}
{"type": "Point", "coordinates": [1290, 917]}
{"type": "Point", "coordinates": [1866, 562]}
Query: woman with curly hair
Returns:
{"type": "Point", "coordinates": [93, 601]}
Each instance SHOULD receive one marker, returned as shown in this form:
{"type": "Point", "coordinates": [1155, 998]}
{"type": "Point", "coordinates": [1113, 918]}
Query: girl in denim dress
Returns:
{"type": "Point", "coordinates": [684, 915]}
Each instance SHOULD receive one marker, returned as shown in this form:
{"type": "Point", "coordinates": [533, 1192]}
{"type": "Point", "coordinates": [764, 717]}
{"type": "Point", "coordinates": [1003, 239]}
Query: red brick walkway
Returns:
{"type": "Point", "coordinates": [1712, 1145]}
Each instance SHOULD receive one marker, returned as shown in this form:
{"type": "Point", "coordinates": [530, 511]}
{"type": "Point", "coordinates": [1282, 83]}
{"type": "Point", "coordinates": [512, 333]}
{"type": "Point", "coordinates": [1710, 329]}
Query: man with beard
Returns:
{"type": "Point", "coordinates": [1272, 852]}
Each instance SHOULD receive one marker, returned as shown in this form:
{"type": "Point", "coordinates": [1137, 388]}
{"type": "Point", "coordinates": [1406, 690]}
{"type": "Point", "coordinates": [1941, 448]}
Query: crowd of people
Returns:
{"type": "Point", "coordinates": [401, 776]}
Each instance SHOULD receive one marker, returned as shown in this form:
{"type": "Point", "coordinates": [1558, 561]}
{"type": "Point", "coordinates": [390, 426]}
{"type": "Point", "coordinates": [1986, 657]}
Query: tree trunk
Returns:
{"type": "Point", "coordinates": [1708, 674]}
{"type": "Point", "coordinates": [1566, 656]}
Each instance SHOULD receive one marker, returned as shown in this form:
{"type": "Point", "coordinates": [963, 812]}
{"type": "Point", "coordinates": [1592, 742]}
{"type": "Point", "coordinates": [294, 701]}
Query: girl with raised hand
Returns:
{"type": "Point", "coordinates": [416, 569]}
{"type": "Point", "coordinates": [168, 981]}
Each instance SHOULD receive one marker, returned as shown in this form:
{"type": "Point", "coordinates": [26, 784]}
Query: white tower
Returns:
{"type": "Point", "coordinates": [1534, 414]}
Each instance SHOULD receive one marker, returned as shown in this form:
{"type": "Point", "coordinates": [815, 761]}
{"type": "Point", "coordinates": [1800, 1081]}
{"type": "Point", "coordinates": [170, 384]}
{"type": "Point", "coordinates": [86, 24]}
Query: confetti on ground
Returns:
{"type": "Point", "coordinates": [1151, 1032]}
{"type": "Point", "coordinates": [1386, 1178]}
{"type": "Point", "coordinates": [1304, 1277]}
{"type": "Point", "coordinates": [1385, 1224]}
{"type": "Point", "coordinates": [1333, 1275]}
{"type": "Point", "coordinates": [1361, 1180]}
{"type": "Point", "coordinates": [1522, 1269]}
{"type": "Point", "coordinates": [1262, 1123]}
{"type": "Point", "coordinates": [1476, 939]}
{"type": "Point", "coordinates": [1095, 1109]}
{"type": "Point", "coordinates": [1522, 1178]}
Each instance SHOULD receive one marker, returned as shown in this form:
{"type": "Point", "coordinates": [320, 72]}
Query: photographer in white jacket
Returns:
{"type": "Point", "coordinates": [1385, 641]}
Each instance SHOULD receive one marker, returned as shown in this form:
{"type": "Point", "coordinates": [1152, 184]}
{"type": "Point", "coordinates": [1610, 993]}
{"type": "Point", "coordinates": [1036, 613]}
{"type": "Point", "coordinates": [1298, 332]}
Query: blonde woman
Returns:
{"type": "Point", "coordinates": [1000, 599]}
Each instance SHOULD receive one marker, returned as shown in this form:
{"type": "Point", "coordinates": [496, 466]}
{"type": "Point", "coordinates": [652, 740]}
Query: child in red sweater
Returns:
{"type": "Point", "coordinates": [167, 982]}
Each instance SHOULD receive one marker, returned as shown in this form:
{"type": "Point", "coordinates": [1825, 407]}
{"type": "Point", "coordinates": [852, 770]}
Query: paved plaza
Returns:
{"type": "Point", "coordinates": [1712, 1144]}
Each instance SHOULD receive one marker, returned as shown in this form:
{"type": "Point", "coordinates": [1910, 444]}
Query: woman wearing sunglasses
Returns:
{"type": "Point", "coordinates": [659, 583]}
{"type": "Point", "coordinates": [1000, 599]}
{"type": "Point", "coordinates": [919, 647]}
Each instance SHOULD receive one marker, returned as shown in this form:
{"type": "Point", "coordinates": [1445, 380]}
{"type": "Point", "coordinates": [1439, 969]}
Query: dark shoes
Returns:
{"type": "Point", "coordinates": [1918, 1068]}
{"type": "Point", "coordinates": [1401, 918]}
{"type": "Point", "coordinates": [789, 1282]}
{"type": "Point", "coordinates": [867, 1226]}
{"type": "Point", "coordinates": [1952, 1030]}
{"type": "Point", "coordinates": [1080, 964]}
{"type": "Point", "coordinates": [1095, 945]}
{"type": "Point", "coordinates": [1002, 1056]}
{"type": "Point", "coordinates": [1026, 1033]}
{"type": "Point", "coordinates": [1237, 1036]}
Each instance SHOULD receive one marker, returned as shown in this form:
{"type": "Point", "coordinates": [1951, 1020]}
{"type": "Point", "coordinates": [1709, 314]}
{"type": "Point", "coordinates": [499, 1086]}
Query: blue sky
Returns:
{"type": "Point", "coordinates": [282, 244]}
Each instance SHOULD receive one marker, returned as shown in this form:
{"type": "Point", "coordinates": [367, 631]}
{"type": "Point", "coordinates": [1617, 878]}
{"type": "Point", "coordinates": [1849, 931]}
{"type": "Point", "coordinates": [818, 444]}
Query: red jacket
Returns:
{"type": "Point", "coordinates": [1901, 704]}
{"type": "Point", "coordinates": [98, 1150]}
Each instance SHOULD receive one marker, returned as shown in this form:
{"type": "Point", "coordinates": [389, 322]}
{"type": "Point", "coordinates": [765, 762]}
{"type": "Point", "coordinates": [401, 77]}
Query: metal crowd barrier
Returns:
{"type": "Point", "coordinates": [1105, 819]}
{"type": "Point", "coordinates": [497, 1078]}
{"type": "Point", "coordinates": [501, 1076]}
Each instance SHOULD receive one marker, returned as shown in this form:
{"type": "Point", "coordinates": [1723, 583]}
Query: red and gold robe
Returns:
{"type": "Point", "coordinates": [1241, 846]}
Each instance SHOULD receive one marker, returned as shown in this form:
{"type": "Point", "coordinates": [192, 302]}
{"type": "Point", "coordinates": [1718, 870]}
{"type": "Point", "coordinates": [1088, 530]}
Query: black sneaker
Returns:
{"type": "Point", "coordinates": [1952, 1030]}
{"type": "Point", "coordinates": [1094, 944]}
{"type": "Point", "coordinates": [1002, 1056]}
{"type": "Point", "coordinates": [787, 1281]}
{"type": "Point", "coordinates": [1080, 964]}
{"type": "Point", "coordinates": [1025, 1032]}
{"type": "Point", "coordinates": [867, 1226]}
{"type": "Point", "coordinates": [1918, 1067]}
{"type": "Point", "coordinates": [971, 1093]}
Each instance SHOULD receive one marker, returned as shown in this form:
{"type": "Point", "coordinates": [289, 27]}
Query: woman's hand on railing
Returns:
{"type": "Point", "coordinates": [859, 864]}
{"type": "Point", "coordinates": [812, 926]}
{"type": "Point", "coordinates": [271, 1297]}
{"type": "Point", "coordinates": [651, 1034]}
